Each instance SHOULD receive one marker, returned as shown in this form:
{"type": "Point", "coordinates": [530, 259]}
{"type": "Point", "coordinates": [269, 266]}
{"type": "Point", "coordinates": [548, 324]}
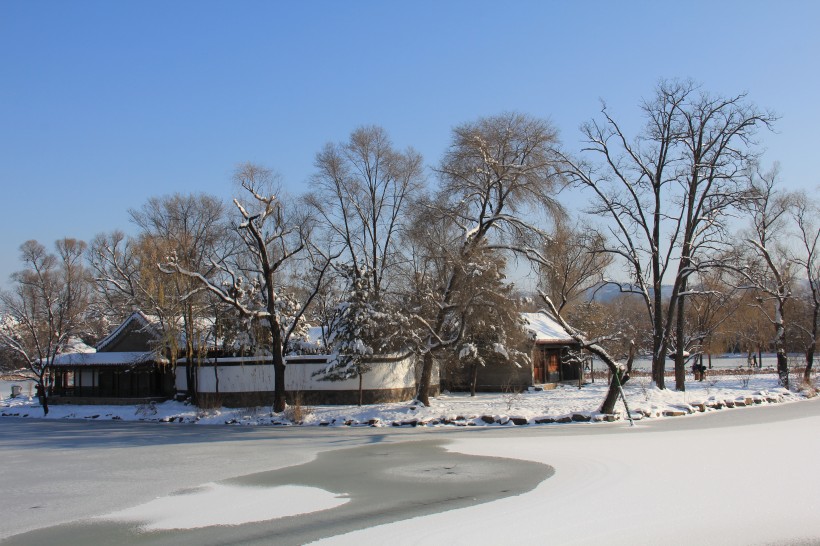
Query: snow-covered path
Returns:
{"type": "Point", "coordinates": [736, 476]}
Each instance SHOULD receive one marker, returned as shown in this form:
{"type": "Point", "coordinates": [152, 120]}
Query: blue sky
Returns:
{"type": "Point", "coordinates": [103, 104]}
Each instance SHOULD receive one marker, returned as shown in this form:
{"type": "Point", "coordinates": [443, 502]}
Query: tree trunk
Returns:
{"type": "Point", "coordinates": [608, 406]}
{"type": "Point", "coordinates": [279, 402]}
{"type": "Point", "coordinates": [680, 364]}
{"type": "Point", "coordinates": [195, 397]}
{"type": "Point", "coordinates": [360, 390]}
{"type": "Point", "coordinates": [658, 361]}
{"type": "Point", "coordinates": [783, 368]}
{"type": "Point", "coordinates": [278, 359]}
{"type": "Point", "coordinates": [189, 377]}
{"type": "Point", "coordinates": [216, 374]}
{"type": "Point", "coordinates": [811, 348]}
{"type": "Point", "coordinates": [473, 378]}
{"type": "Point", "coordinates": [809, 364]}
{"type": "Point", "coordinates": [423, 395]}
{"type": "Point", "coordinates": [42, 396]}
{"type": "Point", "coordinates": [780, 345]}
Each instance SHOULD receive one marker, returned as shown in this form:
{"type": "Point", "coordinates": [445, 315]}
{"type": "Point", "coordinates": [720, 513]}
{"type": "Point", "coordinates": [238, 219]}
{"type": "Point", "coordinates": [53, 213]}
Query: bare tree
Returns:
{"type": "Point", "coordinates": [46, 306]}
{"type": "Point", "coordinates": [116, 265]}
{"type": "Point", "coordinates": [806, 213]}
{"type": "Point", "coordinates": [766, 267]}
{"type": "Point", "coordinates": [495, 169]}
{"type": "Point", "coordinates": [577, 261]}
{"type": "Point", "coordinates": [712, 302]}
{"type": "Point", "coordinates": [274, 235]}
{"type": "Point", "coordinates": [361, 192]}
{"type": "Point", "coordinates": [668, 193]}
{"type": "Point", "coordinates": [186, 228]}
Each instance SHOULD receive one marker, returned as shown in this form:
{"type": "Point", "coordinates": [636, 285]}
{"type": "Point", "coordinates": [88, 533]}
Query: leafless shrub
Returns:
{"type": "Point", "coordinates": [643, 382]}
{"type": "Point", "coordinates": [297, 412]}
{"type": "Point", "coordinates": [745, 376]}
{"type": "Point", "coordinates": [511, 394]}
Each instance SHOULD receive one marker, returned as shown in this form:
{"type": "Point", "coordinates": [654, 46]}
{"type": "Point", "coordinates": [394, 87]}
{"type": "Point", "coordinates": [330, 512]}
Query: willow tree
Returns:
{"type": "Point", "coordinates": [497, 172]}
{"type": "Point", "coordinates": [188, 228]}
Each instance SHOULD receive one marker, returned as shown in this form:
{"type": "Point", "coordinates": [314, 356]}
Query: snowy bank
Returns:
{"type": "Point", "coordinates": [564, 404]}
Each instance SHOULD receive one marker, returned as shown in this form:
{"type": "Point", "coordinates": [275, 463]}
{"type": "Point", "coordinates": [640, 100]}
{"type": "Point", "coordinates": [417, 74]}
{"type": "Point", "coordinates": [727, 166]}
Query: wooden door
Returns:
{"type": "Point", "coordinates": [553, 363]}
{"type": "Point", "coordinates": [539, 366]}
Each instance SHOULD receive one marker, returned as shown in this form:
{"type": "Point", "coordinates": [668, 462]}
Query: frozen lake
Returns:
{"type": "Point", "coordinates": [130, 483]}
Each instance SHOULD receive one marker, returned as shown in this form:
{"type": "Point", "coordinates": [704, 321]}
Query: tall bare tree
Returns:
{"type": "Point", "coordinates": [274, 235]}
{"type": "Point", "coordinates": [766, 266]}
{"type": "Point", "coordinates": [46, 306]}
{"type": "Point", "coordinates": [361, 193]}
{"type": "Point", "coordinates": [187, 229]}
{"type": "Point", "coordinates": [806, 213]}
{"type": "Point", "coordinates": [668, 193]}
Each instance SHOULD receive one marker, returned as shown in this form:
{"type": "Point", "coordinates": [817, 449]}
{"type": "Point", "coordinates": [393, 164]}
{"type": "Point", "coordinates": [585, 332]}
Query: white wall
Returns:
{"type": "Point", "coordinates": [253, 376]}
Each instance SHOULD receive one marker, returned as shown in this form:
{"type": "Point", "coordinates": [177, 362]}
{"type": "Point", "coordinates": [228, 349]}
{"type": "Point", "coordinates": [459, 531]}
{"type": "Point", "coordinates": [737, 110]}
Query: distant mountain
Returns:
{"type": "Point", "coordinates": [605, 292]}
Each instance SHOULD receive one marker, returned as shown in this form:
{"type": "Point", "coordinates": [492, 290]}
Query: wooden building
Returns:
{"type": "Point", "coordinates": [549, 363]}
{"type": "Point", "coordinates": [551, 346]}
{"type": "Point", "coordinates": [123, 368]}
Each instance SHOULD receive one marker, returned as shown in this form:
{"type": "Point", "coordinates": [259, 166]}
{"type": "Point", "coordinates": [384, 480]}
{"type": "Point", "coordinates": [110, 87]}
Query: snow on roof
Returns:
{"type": "Point", "coordinates": [139, 316]}
{"type": "Point", "coordinates": [77, 345]}
{"type": "Point", "coordinates": [106, 359]}
{"type": "Point", "coordinates": [545, 329]}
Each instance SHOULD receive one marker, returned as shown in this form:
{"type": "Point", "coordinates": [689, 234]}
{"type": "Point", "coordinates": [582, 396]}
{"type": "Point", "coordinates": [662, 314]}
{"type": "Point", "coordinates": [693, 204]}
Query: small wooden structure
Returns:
{"type": "Point", "coordinates": [550, 351]}
{"type": "Point", "coordinates": [549, 362]}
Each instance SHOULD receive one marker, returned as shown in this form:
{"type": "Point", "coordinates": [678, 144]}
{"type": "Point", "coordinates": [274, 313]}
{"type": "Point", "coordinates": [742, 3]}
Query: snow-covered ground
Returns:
{"type": "Point", "coordinates": [751, 484]}
{"type": "Point", "coordinates": [219, 504]}
{"type": "Point", "coordinates": [565, 403]}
